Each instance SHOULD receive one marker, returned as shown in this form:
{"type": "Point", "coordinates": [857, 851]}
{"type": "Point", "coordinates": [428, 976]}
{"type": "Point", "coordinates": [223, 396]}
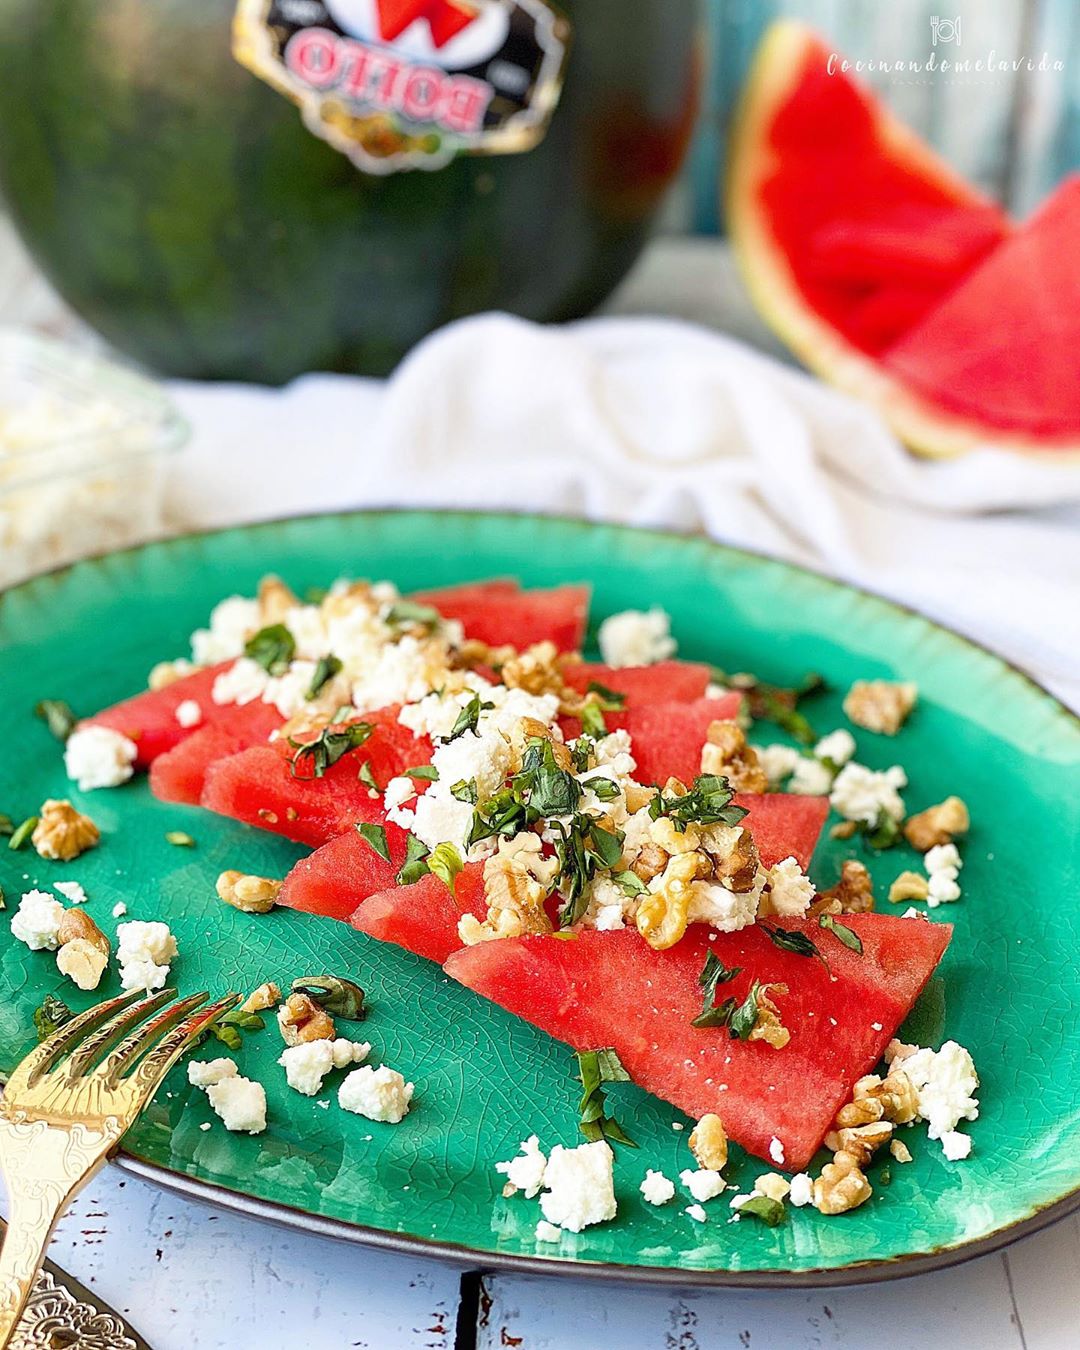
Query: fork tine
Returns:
{"type": "Point", "coordinates": [39, 1060]}
{"type": "Point", "coordinates": [153, 1067]}
{"type": "Point", "coordinates": [88, 1050]}
{"type": "Point", "coordinates": [145, 1036]}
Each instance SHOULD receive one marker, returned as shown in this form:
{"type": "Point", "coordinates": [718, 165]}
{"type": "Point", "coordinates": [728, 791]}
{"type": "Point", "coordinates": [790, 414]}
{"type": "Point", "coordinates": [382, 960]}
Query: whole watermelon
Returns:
{"type": "Point", "coordinates": [181, 206]}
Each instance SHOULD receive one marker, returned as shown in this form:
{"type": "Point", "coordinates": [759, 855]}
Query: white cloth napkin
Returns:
{"type": "Point", "coordinates": [656, 422]}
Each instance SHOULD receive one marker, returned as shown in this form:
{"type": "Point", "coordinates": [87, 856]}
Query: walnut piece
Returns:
{"type": "Point", "coordinates": [897, 1095]}
{"type": "Point", "coordinates": [517, 881]}
{"type": "Point", "coordinates": [708, 1143]}
{"type": "Point", "coordinates": [62, 832]}
{"type": "Point", "coordinates": [900, 1151]}
{"type": "Point", "coordinates": [83, 951]}
{"type": "Point", "coordinates": [267, 995]}
{"type": "Point", "coordinates": [773, 1185]}
{"type": "Point", "coordinates": [662, 915]}
{"type": "Point", "coordinates": [253, 895]}
{"type": "Point", "coordinates": [275, 600]}
{"type": "Point", "coordinates": [300, 1019]}
{"type": "Point", "coordinates": [860, 1141]}
{"type": "Point", "coordinates": [842, 1186]}
{"type": "Point", "coordinates": [726, 752]}
{"type": "Point", "coordinates": [909, 886]}
{"type": "Point", "coordinates": [937, 824]}
{"type": "Point", "coordinates": [768, 1027]}
{"type": "Point", "coordinates": [854, 892]}
{"type": "Point", "coordinates": [880, 705]}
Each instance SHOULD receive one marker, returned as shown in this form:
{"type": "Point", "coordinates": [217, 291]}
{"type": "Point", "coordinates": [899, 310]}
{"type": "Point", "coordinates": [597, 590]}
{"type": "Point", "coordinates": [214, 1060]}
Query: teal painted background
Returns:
{"type": "Point", "coordinates": [1014, 134]}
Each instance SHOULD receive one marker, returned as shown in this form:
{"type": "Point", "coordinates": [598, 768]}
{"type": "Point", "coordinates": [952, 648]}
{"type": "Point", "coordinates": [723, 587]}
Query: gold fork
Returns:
{"type": "Point", "coordinates": [65, 1108]}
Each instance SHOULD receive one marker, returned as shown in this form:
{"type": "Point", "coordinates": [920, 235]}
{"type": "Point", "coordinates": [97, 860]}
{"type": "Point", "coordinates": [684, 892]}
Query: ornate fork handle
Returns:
{"type": "Point", "coordinates": [43, 1166]}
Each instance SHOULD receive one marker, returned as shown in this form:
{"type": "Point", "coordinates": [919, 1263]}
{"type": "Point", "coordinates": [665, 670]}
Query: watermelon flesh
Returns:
{"type": "Point", "coordinates": [332, 880]}
{"type": "Point", "coordinates": [612, 989]}
{"type": "Point", "coordinates": [664, 682]}
{"type": "Point", "coordinates": [500, 612]}
{"type": "Point", "coordinates": [424, 918]}
{"type": "Point", "coordinates": [1024, 367]}
{"type": "Point", "coordinates": [666, 737]}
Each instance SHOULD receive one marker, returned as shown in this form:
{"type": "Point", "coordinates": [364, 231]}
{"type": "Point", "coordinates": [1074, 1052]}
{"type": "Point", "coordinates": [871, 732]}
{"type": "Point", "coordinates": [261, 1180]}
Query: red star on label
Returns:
{"type": "Point", "coordinates": [445, 18]}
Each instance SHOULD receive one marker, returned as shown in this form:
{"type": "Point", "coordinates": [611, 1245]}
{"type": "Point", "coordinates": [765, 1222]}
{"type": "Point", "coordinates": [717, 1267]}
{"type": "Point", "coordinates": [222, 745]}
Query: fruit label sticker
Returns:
{"type": "Point", "coordinates": [400, 84]}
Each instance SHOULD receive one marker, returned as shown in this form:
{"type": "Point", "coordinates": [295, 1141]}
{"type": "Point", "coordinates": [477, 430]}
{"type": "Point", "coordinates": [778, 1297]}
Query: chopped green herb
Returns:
{"type": "Point", "coordinates": [604, 788]}
{"type": "Point", "coordinates": [22, 833]}
{"type": "Point", "coordinates": [339, 996]}
{"type": "Point", "coordinates": [884, 833]}
{"type": "Point", "coordinates": [325, 669]}
{"type": "Point", "coordinates": [228, 1036]}
{"type": "Point", "coordinates": [272, 648]}
{"type": "Point", "coordinates": [707, 803]}
{"type": "Point", "coordinates": [375, 836]}
{"type": "Point", "coordinates": [415, 865]}
{"type": "Point", "coordinates": [367, 776]}
{"type": "Point", "coordinates": [3, 899]}
{"type": "Point", "coordinates": [773, 703]}
{"type": "Point", "coordinates": [629, 883]}
{"type": "Point", "coordinates": [51, 1016]}
{"type": "Point", "coordinates": [57, 716]}
{"type": "Point", "coordinates": [180, 838]}
{"type": "Point", "coordinates": [592, 720]}
{"type": "Point", "coordinates": [744, 1018]}
{"type": "Point", "coordinates": [227, 1028]}
{"type": "Point", "coordinates": [328, 747]}
{"type": "Point", "coordinates": [444, 861]}
{"type": "Point", "coordinates": [465, 791]}
{"type": "Point", "coordinates": [766, 1209]}
{"type": "Point", "coordinates": [469, 717]}
{"type": "Point", "coordinates": [582, 847]}
{"type": "Point", "coordinates": [581, 752]}
{"type": "Point", "coordinates": [610, 699]}
{"type": "Point", "coordinates": [6, 826]}
{"type": "Point", "coordinates": [595, 1068]}
{"type": "Point", "coordinates": [790, 940]}
{"type": "Point", "coordinates": [847, 936]}
{"type": "Point", "coordinates": [427, 773]}
{"type": "Point", "coordinates": [408, 614]}
{"type": "Point", "coordinates": [552, 791]}
{"type": "Point", "coordinates": [713, 973]}
{"type": "Point", "coordinates": [884, 1177]}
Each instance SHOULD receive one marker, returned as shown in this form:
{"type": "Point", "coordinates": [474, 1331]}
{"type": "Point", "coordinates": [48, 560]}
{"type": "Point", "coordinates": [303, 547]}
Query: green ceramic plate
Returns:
{"type": "Point", "coordinates": [1008, 988]}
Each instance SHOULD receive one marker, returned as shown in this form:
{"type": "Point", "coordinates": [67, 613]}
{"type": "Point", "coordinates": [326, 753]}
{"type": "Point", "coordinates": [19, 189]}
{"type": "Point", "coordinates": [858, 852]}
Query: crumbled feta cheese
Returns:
{"type": "Point", "coordinates": [119, 910]}
{"type": "Point", "coordinates": [188, 713]}
{"type": "Point", "coordinates": [288, 692]}
{"type": "Point", "coordinates": [307, 1064]}
{"type": "Point", "coordinates": [526, 1171]}
{"type": "Point", "coordinates": [547, 1232]}
{"type": "Point", "coordinates": [144, 953]}
{"type": "Point", "coordinates": [912, 913]}
{"type": "Point", "coordinates": [776, 1151]}
{"type": "Point", "coordinates": [777, 761]}
{"type": "Point", "coordinates": [37, 921]}
{"type": "Point", "coordinates": [398, 792]}
{"type": "Point", "coordinates": [579, 1187]}
{"type": "Point", "coordinates": [790, 889]}
{"type": "Point", "coordinates": [943, 857]}
{"type": "Point", "coordinates": [956, 1146]}
{"type": "Point", "coordinates": [704, 1184]}
{"type": "Point", "coordinates": [696, 1213]}
{"type": "Point", "coordinates": [98, 757]}
{"type": "Point", "coordinates": [232, 622]}
{"type": "Point", "coordinates": [71, 890]}
{"type": "Point", "coordinates": [802, 1190]}
{"type": "Point", "coordinates": [636, 638]}
{"type": "Point", "coordinates": [240, 1102]}
{"type": "Point", "coordinates": [657, 1188]}
{"type": "Point", "coordinates": [862, 795]}
{"type": "Point", "coordinates": [379, 1094]}
{"type": "Point", "coordinates": [811, 778]}
{"type": "Point", "coordinates": [244, 682]}
{"type": "Point", "coordinates": [837, 747]}
{"type": "Point", "coordinates": [204, 1073]}
{"type": "Point", "coordinates": [945, 1082]}
{"type": "Point", "coordinates": [941, 890]}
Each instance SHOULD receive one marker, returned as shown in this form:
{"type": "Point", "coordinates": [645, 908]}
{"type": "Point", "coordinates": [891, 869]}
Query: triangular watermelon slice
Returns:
{"type": "Point", "coordinates": [612, 989]}
{"type": "Point", "coordinates": [498, 612]}
{"type": "Point", "coordinates": [424, 918]}
{"type": "Point", "coordinates": [332, 880]}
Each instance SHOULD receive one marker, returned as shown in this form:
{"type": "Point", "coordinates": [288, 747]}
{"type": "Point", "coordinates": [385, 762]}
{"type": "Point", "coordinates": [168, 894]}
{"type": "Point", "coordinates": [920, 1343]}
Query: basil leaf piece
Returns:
{"type": "Point", "coordinates": [714, 973]}
{"type": "Point", "coordinates": [325, 669]}
{"type": "Point", "coordinates": [847, 935]}
{"type": "Point", "coordinates": [339, 996]}
{"type": "Point", "coordinates": [426, 773]}
{"type": "Point", "coordinates": [367, 776]}
{"type": "Point", "coordinates": [415, 865]}
{"type": "Point", "coordinates": [790, 940]}
{"type": "Point", "coordinates": [57, 716]}
{"type": "Point", "coordinates": [884, 833]}
{"type": "Point", "coordinates": [610, 700]}
{"type": "Point", "coordinates": [375, 837]}
{"type": "Point", "coordinates": [551, 790]}
{"type": "Point", "coordinates": [465, 791]}
{"type": "Point", "coordinates": [407, 613]}
{"type": "Point", "coordinates": [51, 1016]}
{"type": "Point", "coordinates": [774, 703]}
{"type": "Point", "coordinates": [228, 1036]}
{"type": "Point", "coordinates": [595, 1068]}
{"type": "Point", "coordinates": [764, 1208]}
{"type": "Point", "coordinates": [445, 862]}
{"type": "Point", "coordinates": [707, 803]}
{"type": "Point", "coordinates": [607, 844]}
{"type": "Point", "coordinates": [272, 648]}
{"type": "Point", "coordinates": [469, 717]}
{"type": "Point", "coordinates": [744, 1018]}
{"type": "Point", "coordinates": [21, 834]}
{"type": "Point", "coordinates": [629, 883]}
{"type": "Point", "coordinates": [592, 720]}
{"type": "Point", "coordinates": [328, 747]}
{"type": "Point", "coordinates": [716, 1015]}
{"type": "Point", "coordinates": [604, 788]}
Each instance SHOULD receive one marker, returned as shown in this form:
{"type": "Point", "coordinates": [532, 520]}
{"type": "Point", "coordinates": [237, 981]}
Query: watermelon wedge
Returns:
{"type": "Point", "coordinates": [667, 737]}
{"type": "Point", "coordinates": [498, 612]}
{"type": "Point", "coordinates": [334, 879]}
{"type": "Point", "coordinates": [258, 787]}
{"type": "Point", "coordinates": [664, 682]}
{"type": "Point", "coordinates": [611, 989]}
{"type": "Point", "coordinates": [890, 275]}
{"type": "Point", "coordinates": [424, 918]}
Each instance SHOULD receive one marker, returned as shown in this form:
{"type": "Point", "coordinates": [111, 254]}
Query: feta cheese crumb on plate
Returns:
{"type": "Point", "coordinates": [657, 1188]}
{"type": "Point", "coordinates": [145, 952]}
{"type": "Point", "coordinates": [119, 910]}
{"type": "Point", "coordinates": [945, 1083]}
{"type": "Point", "coordinates": [37, 921]}
{"type": "Point", "coordinates": [696, 1213]}
{"type": "Point", "coordinates": [240, 1102]}
{"type": "Point", "coordinates": [526, 1171]}
{"type": "Point", "coordinates": [636, 637]}
{"type": "Point", "coordinates": [204, 1073]}
{"type": "Point", "coordinates": [802, 1190]}
{"type": "Point", "coordinates": [307, 1064]}
{"type": "Point", "coordinates": [704, 1184]}
{"type": "Point", "coordinates": [71, 890]}
{"type": "Point", "coordinates": [547, 1232]}
{"type": "Point", "coordinates": [379, 1094]}
{"type": "Point", "coordinates": [776, 1151]}
{"type": "Point", "coordinates": [579, 1186]}
{"type": "Point", "coordinates": [98, 757]}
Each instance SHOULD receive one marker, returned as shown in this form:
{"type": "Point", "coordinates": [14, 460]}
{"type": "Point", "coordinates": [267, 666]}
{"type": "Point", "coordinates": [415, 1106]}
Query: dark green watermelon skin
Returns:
{"type": "Point", "coordinates": [180, 206]}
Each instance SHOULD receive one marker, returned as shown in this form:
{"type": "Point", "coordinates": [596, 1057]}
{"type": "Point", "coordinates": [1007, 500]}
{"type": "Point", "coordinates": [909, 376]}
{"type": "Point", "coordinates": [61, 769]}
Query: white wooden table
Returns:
{"type": "Point", "coordinates": [195, 1279]}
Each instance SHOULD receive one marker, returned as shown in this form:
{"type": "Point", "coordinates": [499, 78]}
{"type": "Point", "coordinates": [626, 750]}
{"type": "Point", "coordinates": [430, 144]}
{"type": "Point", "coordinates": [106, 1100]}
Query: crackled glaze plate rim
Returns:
{"type": "Point", "coordinates": [462, 1256]}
